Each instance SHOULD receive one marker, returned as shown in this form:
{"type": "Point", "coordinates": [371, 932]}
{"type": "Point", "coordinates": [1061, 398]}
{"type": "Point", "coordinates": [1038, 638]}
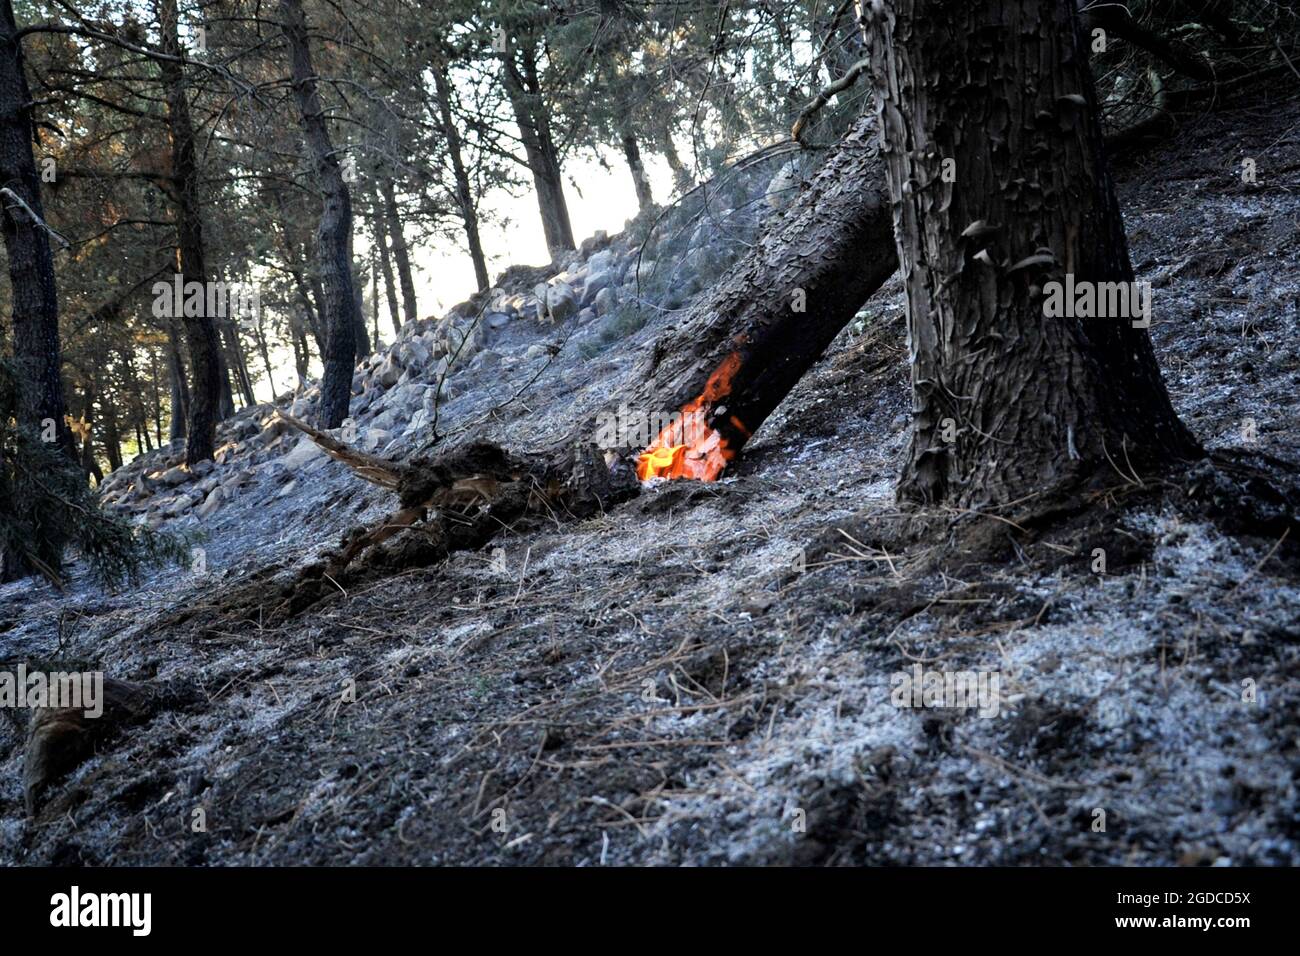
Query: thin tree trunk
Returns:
{"type": "Point", "coordinates": [335, 229]}
{"type": "Point", "coordinates": [88, 463]}
{"type": "Point", "coordinates": [380, 234]}
{"type": "Point", "coordinates": [374, 296]}
{"type": "Point", "coordinates": [681, 175]}
{"type": "Point", "coordinates": [211, 389]}
{"type": "Point", "coordinates": [266, 354]}
{"type": "Point", "coordinates": [400, 254]}
{"type": "Point", "coordinates": [464, 194]}
{"type": "Point", "coordinates": [994, 198]}
{"type": "Point", "coordinates": [359, 332]}
{"type": "Point", "coordinates": [112, 435]}
{"type": "Point", "coordinates": [155, 406]}
{"type": "Point", "coordinates": [237, 360]}
{"type": "Point", "coordinates": [294, 262]}
{"type": "Point", "coordinates": [524, 92]}
{"type": "Point", "coordinates": [644, 197]}
{"type": "Point", "coordinates": [179, 387]}
{"type": "Point", "coordinates": [298, 338]}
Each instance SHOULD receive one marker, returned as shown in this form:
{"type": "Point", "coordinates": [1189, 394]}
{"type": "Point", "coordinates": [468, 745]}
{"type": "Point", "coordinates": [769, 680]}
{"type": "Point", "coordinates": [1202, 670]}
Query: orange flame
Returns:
{"type": "Point", "coordinates": [688, 448]}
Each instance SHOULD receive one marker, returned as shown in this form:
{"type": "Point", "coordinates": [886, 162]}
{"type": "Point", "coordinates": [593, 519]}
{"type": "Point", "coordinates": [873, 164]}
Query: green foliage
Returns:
{"type": "Point", "coordinates": [46, 506]}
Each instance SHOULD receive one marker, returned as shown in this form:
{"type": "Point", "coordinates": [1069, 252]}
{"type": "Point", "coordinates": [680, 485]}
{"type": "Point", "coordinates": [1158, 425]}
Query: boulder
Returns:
{"type": "Point", "coordinates": [561, 302]}
{"type": "Point", "coordinates": [605, 301]}
{"type": "Point", "coordinates": [174, 476]}
{"type": "Point", "coordinates": [303, 454]}
{"type": "Point", "coordinates": [211, 502]}
{"type": "Point", "coordinates": [389, 372]}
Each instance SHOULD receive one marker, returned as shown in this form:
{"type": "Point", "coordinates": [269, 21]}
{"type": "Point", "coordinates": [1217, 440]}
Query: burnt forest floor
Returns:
{"type": "Point", "coordinates": [669, 684]}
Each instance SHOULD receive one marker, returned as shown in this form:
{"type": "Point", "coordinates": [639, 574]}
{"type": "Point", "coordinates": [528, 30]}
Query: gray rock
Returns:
{"type": "Point", "coordinates": [175, 476]}
{"type": "Point", "coordinates": [303, 454]}
{"type": "Point", "coordinates": [211, 503]}
{"type": "Point", "coordinates": [389, 372]}
{"type": "Point", "coordinates": [561, 302]}
{"type": "Point", "coordinates": [605, 301]}
{"type": "Point", "coordinates": [496, 320]}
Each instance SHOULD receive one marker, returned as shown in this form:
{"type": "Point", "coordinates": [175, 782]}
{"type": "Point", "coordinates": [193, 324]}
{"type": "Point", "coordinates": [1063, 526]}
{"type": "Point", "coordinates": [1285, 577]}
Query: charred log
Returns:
{"type": "Point", "coordinates": [742, 348]}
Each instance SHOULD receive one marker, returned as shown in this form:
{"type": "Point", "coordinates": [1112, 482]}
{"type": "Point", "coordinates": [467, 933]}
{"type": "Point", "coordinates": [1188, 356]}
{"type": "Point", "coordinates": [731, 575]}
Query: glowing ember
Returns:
{"type": "Point", "coordinates": [689, 448]}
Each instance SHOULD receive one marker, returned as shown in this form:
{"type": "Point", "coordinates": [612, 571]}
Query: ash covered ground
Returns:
{"type": "Point", "coordinates": [703, 675]}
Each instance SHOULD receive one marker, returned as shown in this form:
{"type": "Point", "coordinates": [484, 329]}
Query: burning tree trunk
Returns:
{"type": "Point", "coordinates": [335, 228]}
{"type": "Point", "coordinates": [741, 349]}
{"type": "Point", "coordinates": [995, 198]}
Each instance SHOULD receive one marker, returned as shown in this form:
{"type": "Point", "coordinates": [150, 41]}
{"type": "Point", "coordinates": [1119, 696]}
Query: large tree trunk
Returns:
{"type": "Point", "coordinates": [36, 357]}
{"type": "Point", "coordinates": [995, 196]}
{"type": "Point", "coordinates": [524, 91]}
{"type": "Point", "coordinates": [464, 194]}
{"type": "Point", "coordinates": [335, 230]}
{"type": "Point", "coordinates": [31, 266]}
{"type": "Point", "coordinates": [211, 393]}
{"type": "Point", "coordinates": [632, 153]}
{"type": "Point", "coordinates": [397, 237]}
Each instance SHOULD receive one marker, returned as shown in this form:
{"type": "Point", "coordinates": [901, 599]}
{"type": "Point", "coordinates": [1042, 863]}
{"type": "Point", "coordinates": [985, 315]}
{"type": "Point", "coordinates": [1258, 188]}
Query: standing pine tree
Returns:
{"type": "Point", "coordinates": [997, 172]}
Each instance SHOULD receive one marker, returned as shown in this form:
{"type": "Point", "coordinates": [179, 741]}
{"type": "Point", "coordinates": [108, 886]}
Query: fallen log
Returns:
{"type": "Point", "coordinates": [721, 371]}
{"type": "Point", "coordinates": [714, 378]}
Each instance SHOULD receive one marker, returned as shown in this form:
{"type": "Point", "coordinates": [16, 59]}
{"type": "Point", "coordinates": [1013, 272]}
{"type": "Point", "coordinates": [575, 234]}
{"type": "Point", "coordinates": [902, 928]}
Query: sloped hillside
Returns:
{"type": "Point", "coordinates": [705, 674]}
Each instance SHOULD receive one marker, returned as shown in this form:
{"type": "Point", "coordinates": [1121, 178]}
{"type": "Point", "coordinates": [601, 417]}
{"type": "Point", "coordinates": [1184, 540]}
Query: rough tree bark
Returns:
{"type": "Point", "coordinates": [464, 193]}
{"type": "Point", "coordinates": [523, 88]}
{"type": "Point", "coordinates": [210, 396]}
{"type": "Point", "coordinates": [996, 168]}
{"type": "Point", "coordinates": [35, 303]}
{"type": "Point", "coordinates": [335, 228]}
{"type": "Point", "coordinates": [34, 298]}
